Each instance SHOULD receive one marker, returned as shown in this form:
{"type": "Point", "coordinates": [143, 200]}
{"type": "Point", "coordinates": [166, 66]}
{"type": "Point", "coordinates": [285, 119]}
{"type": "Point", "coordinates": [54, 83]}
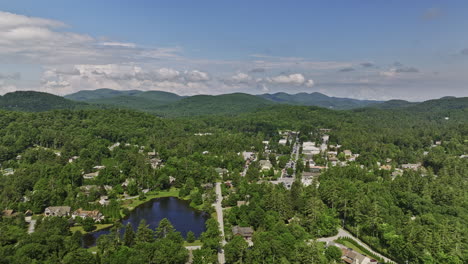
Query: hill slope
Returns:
{"type": "Point", "coordinates": [132, 99]}
{"type": "Point", "coordinates": [226, 104]}
{"type": "Point", "coordinates": [32, 101]}
{"type": "Point", "coordinates": [318, 99]}
{"type": "Point", "coordinates": [87, 95]}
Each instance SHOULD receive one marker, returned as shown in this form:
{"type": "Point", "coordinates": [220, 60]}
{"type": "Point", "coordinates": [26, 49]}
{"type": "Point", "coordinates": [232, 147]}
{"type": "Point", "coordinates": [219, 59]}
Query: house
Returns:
{"type": "Point", "coordinates": [221, 171]}
{"type": "Point", "coordinates": [99, 167]}
{"type": "Point", "coordinates": [283, 141]}
{"type": "Point", "coordinates": [111, 148]}
{"type": "Point", "coordinates": [248, 155]}
{"type": "Point", "coordinates": [309, 149]}
{"type": "Point", "coordinates": [59, 211]}
{"type": "Point", "coordinates": [104, 200]}
{"type": "Point", "coordinates": [155, 162]}
{"type": "Point", "coordinates": [308, 177]}
{"type": "Point", "coordinates": [88, 188]}
{"type": "Point", "coordinates": [240, 203]}
{"type": "Point", "coordinates": [205, 152]}
{"type": "Point", "coordinates": [8, 213]}
{"type": "Point", "coordinates": [152, 154]}
{"type": "Point", "coordinates": [245, 232]}
{"type": "Point", "coordinates": [317, 169]}
{"type": "Point", "coordinates": [94, 214]}
{"type": "Point", "coordinates": [265, 165]}
{"type": "Point", "coordinates": [286, 181]}
{"type": "Point", "coordinates": [350, 256]}
{"type": "Point", "coordinates": [397, 172]}
{"type": "Point", "coordinates": [90, 176]}
{"type": "Point", "coordinates": [8, 171]}
{"type": "Point", "coordinates": [207, 185]}
{"type": "Point", "coordinates": [347, 153]}
{"type": "Point", "coordinates": [386, 167]}
{"type": "Point", "coordinates": [409, 166]}
{"type": "Point", "coordinates": [72, 159]}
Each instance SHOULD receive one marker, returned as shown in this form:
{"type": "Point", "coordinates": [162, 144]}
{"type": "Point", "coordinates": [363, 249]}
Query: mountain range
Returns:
{"type": "Point", "coordinates": [172, 105]}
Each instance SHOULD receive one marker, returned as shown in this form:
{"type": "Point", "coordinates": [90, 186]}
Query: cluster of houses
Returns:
{"type": "Point", "coordinates": [65, 211]}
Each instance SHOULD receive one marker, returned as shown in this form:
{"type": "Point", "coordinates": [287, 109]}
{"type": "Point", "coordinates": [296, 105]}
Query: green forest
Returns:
{"type": "Point", "coordinates": [186, 147]}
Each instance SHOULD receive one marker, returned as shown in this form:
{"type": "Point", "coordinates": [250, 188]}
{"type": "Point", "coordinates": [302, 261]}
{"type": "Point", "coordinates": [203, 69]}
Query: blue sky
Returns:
{"type": "Point", "coordinates": [412, 50]}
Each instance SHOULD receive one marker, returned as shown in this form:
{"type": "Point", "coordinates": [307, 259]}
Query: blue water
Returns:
{"type": "Point", "coordinates": [180, 214]}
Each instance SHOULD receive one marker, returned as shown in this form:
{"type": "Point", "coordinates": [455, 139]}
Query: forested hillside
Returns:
{"type": "Point", "coordinates": [37, 101]}
{"type": "Point", "coordinates": [318, 99]}
{"type": "Point", "coordinates": [419, 216]}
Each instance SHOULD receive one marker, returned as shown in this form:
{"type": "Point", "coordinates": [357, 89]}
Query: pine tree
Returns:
{"type": "Point", "coordinates": [144, 234]}
{"type": "Point", "coordinates": [164, 228]}
{"type": "Point", "coordinates": [191, 237]}
{"type": "Point", "coordinates": [129, 235]}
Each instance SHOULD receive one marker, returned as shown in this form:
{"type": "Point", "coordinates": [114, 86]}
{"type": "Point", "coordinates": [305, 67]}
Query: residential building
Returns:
{"type": "Point", "coordinates": [94, 214]}
{"type": "Point", "coordinates": [90, 176]}
{"type": "Point", "coordinates": [248, 155]}
{"type": "Point", "coordinates": [245, 232]}
{"type": "Point", "coordinates": [59, 211]}
{"type": "Point", "coordinates": [309, 149]}
{"type": "Point", "coordinates": [265, 165]}
{"type": "Point", "coordinates": [409, 166]}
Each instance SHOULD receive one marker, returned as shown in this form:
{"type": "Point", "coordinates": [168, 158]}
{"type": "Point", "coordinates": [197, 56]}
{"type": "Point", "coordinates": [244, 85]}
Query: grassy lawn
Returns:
{"type": "Point", "coordinates": [73, 229]}
{"type": "Point", "coordinates": [196, 243]}
{"type": "Point", "coordinates": [92, 249]}
{"type": "Point", "coordinates": [350, 245]}
{"type": "Point", "coordinates": [132, 203]}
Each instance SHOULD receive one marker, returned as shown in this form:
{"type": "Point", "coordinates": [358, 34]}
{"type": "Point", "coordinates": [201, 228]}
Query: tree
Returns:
{"type": "Point", "coordinates": [191, 237]}
{"type": "Point", "coordinates": [333, 253]}
{"type": "Point", "coordinates": [88, 224]}
{"type": "Point", "coordinates": [79, 256]}
{"type": "Point", "coordinates": [235, 250]}
{"type": "Point", "coordinates": [144, 234]}
{"type": "Point", "coordinates": [129, 235]}
{"type": "Point", "coordinates": [164, 228]}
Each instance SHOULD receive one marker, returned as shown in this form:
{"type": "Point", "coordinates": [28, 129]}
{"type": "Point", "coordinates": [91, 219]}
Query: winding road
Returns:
{"type": "Point", "coordinates": [344, 233]}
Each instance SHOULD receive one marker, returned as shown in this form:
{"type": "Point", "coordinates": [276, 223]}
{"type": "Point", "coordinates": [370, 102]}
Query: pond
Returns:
{"type": "Point", "coordinates": [183, 217]}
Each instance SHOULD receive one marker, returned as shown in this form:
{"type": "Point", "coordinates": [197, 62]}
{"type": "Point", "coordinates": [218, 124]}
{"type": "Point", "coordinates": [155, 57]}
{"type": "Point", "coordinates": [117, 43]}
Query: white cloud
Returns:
{"type": "Point", "coordinates": [42, 41]}
{"type": "Point", "coordinates": [118, 44]}
{"type": "Point", "coordinates": [196, 76]}
{"type": "Point", "coordinates": [240, 77]}
{"type": "Point", "coordinates": [291, 79]}
{"type": "Point", "coordinates": [124, 77]}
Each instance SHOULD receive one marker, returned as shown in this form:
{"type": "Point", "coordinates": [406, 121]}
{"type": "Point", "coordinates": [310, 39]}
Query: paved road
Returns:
{"type": "Point", "coordinates": [32, 226]}
{"type": "Point", "coordinates": [344, 233]}
{"type": "Point", "coordinates": [193, 247]}
{"type": "Point", "coordinates": [219, 214]}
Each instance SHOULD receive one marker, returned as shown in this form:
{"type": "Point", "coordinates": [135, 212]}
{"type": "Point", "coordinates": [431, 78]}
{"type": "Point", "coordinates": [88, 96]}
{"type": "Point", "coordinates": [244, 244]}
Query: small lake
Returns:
{"type": "Point", "coordinates": [183, 217]}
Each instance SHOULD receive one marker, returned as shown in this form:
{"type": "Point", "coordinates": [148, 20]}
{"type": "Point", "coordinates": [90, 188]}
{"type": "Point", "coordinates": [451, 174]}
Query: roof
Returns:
{"type": "Point", "coordinates": [243, 231]}
{"type": "Point", "coordinates": [7, 212]}
{"type": "Point", "coordinates": [59, 210]}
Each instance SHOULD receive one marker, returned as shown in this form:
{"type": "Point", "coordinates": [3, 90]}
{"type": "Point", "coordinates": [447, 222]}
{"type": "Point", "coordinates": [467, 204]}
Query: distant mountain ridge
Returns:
{"type": "Point", "coordinates": [32, 101]}
{"type": "Point", "coordinates": [318, 99]}
{"type": "Point", "coordinates": [172, 105]}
